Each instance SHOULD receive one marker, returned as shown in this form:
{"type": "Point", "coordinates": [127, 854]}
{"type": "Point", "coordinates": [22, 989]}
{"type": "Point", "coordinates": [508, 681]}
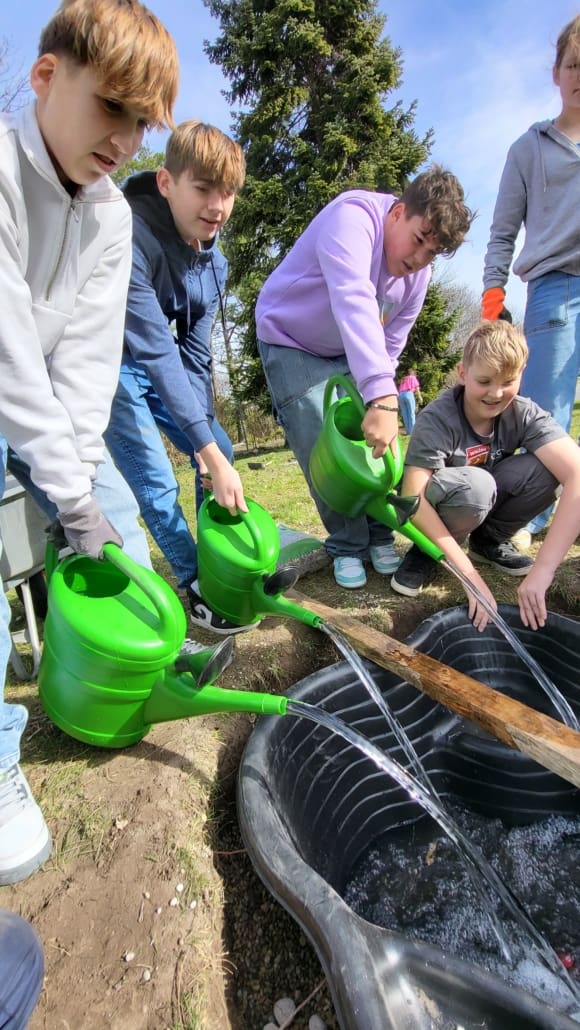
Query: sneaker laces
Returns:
{"type": "Point", "coordinates": [14, 794]}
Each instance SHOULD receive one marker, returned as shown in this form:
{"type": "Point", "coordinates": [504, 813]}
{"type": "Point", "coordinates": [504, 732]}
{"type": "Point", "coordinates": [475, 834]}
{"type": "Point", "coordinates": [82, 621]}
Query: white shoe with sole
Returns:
{"type": "Point", "coordinates": [25, 841]}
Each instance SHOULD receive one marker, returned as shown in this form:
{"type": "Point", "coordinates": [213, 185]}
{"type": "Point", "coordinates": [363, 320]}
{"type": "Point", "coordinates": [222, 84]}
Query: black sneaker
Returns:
{"type": "Point", "coordinates": [203, 616]}
{"type": "Point", "coordinates": [414, 572]}
{"type": "Point", "coordinates": [503, 555]}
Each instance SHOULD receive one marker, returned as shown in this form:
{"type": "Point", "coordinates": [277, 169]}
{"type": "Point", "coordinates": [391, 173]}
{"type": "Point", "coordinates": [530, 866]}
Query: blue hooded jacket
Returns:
{"type": "Point", "coordinates": [172, 283]}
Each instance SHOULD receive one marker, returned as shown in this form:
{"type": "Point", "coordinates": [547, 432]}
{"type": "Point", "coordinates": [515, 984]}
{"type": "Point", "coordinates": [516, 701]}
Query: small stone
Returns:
{"type": "Point", "coordinates": [146, 976]}
{"type": "Point", "coordinates": [316, 1023]}
{"type": "Point", "coordinates": [129, 956]}
{"type": "Point", "coordinates": [179, 888]}
{"type": "Point", "coordinates": [193, 904]}
{"type": "Point", "coordinates": [159, 910]}
{"type": "Point", "coordinates": [284, 1009]}
{"type": "Point", "coordinates": [146, 895]}
{"type": "Point", "coordinates": [174, 902]}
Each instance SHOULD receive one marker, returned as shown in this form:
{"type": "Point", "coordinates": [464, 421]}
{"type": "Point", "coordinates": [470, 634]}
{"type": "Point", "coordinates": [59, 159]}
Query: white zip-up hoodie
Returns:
{"type": "Point", "coordinates": [64, 272]}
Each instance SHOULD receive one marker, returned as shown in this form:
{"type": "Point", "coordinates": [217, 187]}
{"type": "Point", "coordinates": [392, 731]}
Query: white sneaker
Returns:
{"type": "Point", "coordinates": [349, 572]}
{"type": "Point", "coordinates": [25, 841]}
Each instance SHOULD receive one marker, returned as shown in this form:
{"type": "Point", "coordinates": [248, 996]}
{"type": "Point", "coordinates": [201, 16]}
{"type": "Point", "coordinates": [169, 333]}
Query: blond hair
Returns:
{"type": "Point", "coordinates": [437, 195]}
{"type": "Point", "coordinates": [499, 344]}
{"type": "Point", "coordinates": [207, 153]}
{"type": "Point", "coordinates": [569, 36]}
{"type": "Point", "coordinates": [126, 46]}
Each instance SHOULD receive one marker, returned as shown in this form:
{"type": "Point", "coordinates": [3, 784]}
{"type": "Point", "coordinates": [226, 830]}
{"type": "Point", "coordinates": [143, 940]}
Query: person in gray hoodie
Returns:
{"type": "Point", "coordinates": [539, 188]}
{"type": "Point", "coordinates": [177, 283]}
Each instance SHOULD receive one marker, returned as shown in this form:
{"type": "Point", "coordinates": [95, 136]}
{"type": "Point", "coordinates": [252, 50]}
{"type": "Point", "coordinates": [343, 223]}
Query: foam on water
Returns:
{"type": "Point", "coordinates": [413, 882]}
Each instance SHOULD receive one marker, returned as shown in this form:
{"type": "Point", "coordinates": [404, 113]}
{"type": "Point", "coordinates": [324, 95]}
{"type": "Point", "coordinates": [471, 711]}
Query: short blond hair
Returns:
{"type": "Point", "coordinates": [499, 344]}
{"type": "Point", "coordinates": [126, 46]}
{"type": "Point", "coordinates": [207, 153]}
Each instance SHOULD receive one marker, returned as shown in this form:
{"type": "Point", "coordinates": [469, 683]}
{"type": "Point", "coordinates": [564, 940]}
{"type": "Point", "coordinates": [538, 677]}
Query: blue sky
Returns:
{"type": "Point", "coordinates": [480, 73]}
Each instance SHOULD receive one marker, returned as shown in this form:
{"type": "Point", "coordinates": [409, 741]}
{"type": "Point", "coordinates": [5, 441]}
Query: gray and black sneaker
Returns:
{"type": "Point", "coordinates": [503, 555]}
{"type": "Point", "coordinates": [204, 617]}
{"type": "Point", "coordinates": [415, 571]}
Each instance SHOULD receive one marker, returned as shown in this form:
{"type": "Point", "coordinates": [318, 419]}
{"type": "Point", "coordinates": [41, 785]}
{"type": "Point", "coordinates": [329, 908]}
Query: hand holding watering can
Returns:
{"type": "Point", "coordinates": [350, 479]}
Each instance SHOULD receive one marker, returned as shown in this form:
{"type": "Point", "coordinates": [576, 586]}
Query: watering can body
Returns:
{"type": "Point", "coordinates": [342, 468]}
{"type": "Point", "coordinates": [112, 663]}
{"type": "Point", "coordinates": [237, 565]}
{"type": "Point", "coordinates": [111, 637]}
{"type": "Point", "coordinates": [347, 477]}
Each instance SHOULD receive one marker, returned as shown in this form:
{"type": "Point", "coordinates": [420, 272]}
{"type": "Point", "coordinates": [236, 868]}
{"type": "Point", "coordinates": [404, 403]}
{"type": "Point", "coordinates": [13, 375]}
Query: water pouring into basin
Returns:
{"type": "Point", "coordinates": [352, 482]}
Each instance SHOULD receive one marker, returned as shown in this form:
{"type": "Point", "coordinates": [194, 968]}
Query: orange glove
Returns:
{"type": "Point", "coordinates": [492, 303]}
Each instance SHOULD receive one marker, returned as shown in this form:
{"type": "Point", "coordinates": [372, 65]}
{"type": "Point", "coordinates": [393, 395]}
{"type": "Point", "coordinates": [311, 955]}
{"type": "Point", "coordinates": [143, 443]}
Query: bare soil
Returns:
{"type": "Point", "coordinates": [149, 911]}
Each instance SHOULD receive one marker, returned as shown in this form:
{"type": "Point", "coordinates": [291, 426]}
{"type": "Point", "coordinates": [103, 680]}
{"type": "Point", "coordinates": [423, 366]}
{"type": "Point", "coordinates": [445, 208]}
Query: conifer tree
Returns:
{"type": "Point", "coordinates": [311, 79]}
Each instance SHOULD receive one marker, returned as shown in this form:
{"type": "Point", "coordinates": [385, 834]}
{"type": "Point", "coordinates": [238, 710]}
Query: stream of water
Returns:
{"type": "Point", "coordinates": [471, 853]}
{"type": "Point", "coordinates": [559, 702]}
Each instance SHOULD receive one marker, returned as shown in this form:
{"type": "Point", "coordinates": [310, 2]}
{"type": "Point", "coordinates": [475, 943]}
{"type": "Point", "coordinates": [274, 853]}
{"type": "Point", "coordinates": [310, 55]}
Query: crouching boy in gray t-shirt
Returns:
{"type": "Point", "coordinates": [463, 465]}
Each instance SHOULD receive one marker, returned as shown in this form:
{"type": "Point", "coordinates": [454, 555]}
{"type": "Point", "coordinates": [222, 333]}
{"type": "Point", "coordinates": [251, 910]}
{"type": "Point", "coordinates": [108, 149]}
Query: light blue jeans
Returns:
{"type": "Point", "coordinates": [552, 329]}
{"type": "Point", "coordinates": [407, 406]}
{"type": "Point", "coordinates": [118, 504]}
{"type": "Point", "coordinates": [296, 381]}
{"type": "Point", "coordinates": [134, 440]}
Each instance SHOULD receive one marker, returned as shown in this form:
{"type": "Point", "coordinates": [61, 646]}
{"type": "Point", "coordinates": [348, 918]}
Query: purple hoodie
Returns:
{"type": "Point", "coordinates": [332, 294]}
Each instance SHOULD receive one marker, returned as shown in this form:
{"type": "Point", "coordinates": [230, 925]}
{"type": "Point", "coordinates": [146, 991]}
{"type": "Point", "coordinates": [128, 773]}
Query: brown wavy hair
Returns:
{"type": "Point", "coordinates": [437, 195]}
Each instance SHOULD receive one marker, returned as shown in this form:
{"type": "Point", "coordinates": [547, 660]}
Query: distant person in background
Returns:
{"type": "Point", "coordinates": [409, 389]}
{"type": "Point", "coordinates": [540, 188]}
{"type": "Point", "coordinates": [344, 300]}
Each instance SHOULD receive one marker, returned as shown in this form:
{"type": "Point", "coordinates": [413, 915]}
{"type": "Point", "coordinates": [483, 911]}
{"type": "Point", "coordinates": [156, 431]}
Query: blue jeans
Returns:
{"type": "Point", "coordinates": [407, 406]}
{"type": "Point", "coordinates": [296, 381]}
{"type": "Point", "coordinates": [135, 443]}
{"type": "Point", "coordinates": [21, 971]}
{"type": "Point", "coordinates": [111, 494]}
{"type": "Point", "coordinates": [552, 329]}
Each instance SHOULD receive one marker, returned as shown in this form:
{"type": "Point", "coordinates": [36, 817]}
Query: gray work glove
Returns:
{"type": "Point", "coordinates": [87, 530]}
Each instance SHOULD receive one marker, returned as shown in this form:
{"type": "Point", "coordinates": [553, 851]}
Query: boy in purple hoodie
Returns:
{"type": "Point", "coordinates": [344, 300]}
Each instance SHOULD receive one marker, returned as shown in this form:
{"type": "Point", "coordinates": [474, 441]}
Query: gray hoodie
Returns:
{"type": "Point", "coordinates": [539, 188]}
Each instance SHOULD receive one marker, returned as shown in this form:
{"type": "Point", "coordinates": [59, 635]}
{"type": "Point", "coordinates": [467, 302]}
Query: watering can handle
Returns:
{"type": "Point", "coordinates": [394, 462]}
{"type": "Point", "coordinates": [255, 532]}
{"type": "Point", "coordinates": [138, 574]}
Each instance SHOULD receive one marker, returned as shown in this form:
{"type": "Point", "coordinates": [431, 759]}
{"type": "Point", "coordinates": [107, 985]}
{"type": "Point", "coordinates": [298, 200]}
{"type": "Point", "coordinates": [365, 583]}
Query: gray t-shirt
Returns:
{"type": "Point", "coordinates": [443, 438]}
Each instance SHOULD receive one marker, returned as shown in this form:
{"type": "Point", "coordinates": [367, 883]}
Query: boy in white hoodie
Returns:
{"type": "Point", "coordinates": [106, 70]}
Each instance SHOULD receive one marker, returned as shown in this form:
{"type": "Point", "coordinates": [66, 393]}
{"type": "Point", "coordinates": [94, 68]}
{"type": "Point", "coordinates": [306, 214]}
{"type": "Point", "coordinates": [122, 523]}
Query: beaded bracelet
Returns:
{"type": "Point", "coordinates": [383, 407]}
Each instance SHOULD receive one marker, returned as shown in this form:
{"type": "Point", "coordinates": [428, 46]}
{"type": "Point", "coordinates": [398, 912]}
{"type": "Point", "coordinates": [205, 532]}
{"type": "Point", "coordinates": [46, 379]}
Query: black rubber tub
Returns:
{"type": "Point", "coordinates": [310, 806]}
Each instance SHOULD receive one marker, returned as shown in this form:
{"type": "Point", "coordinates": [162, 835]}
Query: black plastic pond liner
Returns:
{"type": "Point", "coordinates": [310, 805]}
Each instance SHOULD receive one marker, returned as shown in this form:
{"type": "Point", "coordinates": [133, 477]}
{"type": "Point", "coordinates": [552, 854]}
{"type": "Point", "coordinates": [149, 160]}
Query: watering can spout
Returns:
{"type": "Point", "coordinates": [187, 689]}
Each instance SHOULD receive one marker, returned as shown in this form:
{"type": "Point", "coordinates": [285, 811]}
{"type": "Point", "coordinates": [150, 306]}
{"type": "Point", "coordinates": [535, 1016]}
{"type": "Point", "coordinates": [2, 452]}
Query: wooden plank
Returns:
{"type": "Point", "coordinates": [547, 741]}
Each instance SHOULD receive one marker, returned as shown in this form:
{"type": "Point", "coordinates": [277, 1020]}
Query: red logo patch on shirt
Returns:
{"type": "Point", "coordinates": [478, 454]}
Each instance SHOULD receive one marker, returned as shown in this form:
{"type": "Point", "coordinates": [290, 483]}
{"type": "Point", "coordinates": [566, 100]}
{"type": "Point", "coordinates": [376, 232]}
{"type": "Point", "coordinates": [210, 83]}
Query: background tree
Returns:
{"type": "Point", "coordinates": [431, 349]}
{"type": "Point", "coordinates": [14, 85]}
{"type": "Point", "coordinates": [310, 78]}
{"type": "Point", "coordinates": [145, 160]}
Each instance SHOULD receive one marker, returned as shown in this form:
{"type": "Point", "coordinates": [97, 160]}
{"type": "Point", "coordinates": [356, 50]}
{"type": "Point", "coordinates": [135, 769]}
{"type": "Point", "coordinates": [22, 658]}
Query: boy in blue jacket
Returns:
{"type": "Point", "coordinates": [177, 284]}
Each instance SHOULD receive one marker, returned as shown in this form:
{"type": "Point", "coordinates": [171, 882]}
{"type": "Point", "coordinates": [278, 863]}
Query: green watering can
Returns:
{"type": "Point", "coordinates": [111, 665]}
{"type": "Point", "coordinates": [347, 477]}
{"type": "Point", "coordinates": [237, 574]}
